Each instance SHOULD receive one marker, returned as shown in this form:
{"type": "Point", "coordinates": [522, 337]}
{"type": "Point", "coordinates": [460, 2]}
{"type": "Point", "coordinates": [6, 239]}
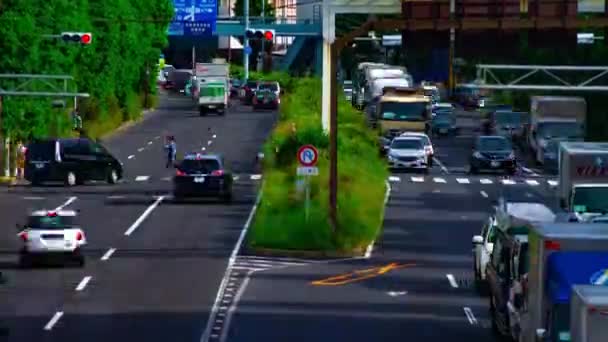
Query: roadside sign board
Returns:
{"type": "Point", "coordinates": [308, 171]}
{"type": "Point", "coordinates": [308, 155]}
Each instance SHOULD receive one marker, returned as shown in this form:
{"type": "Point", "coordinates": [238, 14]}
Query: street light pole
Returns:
{"type": "Point", "coordinates": [333, 139]}
{"type": "Point", "coordinates": [246, 41]}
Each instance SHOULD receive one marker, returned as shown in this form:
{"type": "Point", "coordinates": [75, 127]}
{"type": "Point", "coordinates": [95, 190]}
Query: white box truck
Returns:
{"type": "Point", "coordinates": [583, 179]}
{"type": "Point", "coordinates": [589, 313]}
{"type": "Point", "coordinates": [213, 87]}
{"type": "Point", "coordinates": [554, 118]}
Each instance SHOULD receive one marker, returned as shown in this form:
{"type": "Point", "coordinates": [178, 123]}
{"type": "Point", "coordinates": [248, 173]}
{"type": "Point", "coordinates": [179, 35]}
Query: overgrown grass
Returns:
{"type": "Point", "coordinates": [280, 220]}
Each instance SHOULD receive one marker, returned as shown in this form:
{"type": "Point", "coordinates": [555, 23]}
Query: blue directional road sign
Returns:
{"type": "Point", "coordinates": [203, 12]}
{"type": "Point", "coordinates": [248, 50]}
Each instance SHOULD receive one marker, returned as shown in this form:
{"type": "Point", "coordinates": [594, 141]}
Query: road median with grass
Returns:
{"type": "Point", "coordinates": [280, 224]}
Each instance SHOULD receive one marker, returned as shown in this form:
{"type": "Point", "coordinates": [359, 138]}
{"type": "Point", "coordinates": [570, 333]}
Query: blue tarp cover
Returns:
{"type": "Point", "coordinates": [565, 269]}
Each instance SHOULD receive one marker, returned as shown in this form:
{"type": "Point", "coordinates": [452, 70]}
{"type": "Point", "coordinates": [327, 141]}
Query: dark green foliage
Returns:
{"type": "Point", "coordinates": [255, 8]}
{"type": "Point", "coordinates": [128, 36]}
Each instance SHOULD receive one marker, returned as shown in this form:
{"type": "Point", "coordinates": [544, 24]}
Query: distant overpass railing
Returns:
{"type": "Point", "coordinates": [283, 26]}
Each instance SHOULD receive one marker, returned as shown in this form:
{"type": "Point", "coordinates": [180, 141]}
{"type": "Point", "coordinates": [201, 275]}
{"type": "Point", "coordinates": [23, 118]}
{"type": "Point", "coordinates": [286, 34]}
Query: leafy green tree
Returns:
{"type": "Point", "coordinates": [255, 8]}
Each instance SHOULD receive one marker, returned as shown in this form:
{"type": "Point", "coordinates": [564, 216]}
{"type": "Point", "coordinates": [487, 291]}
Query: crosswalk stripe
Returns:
{"type": "Point", "coordinates": [463, 180]}
{"type": "Point", "coordinates": [141, 178]}
{"type": "Point", "coordinates": [532, 182]}
{"type": "Point", "coordinates": [439, 180]}
{"type": "Point", "coordinates": [485, 181]}
{"type": "Point", "coordinates": [394, 179]}
{"type": "Point", "coordinates": [417, 179]}
{"type": "Point", "coordinates": [552, 182]}
{"type": "Point", "coordinates": [508, 182]}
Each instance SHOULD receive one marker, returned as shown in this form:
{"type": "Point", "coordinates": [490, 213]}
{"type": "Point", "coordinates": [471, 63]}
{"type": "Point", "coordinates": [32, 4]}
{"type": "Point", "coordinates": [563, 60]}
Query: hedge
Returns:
{"type": "Point", "coordinates": [280, 219]}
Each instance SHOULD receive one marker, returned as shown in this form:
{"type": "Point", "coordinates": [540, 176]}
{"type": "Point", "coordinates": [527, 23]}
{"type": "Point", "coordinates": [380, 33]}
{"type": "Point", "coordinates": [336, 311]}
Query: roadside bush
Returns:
{"type": "Point", "coordinates": [280, 220]}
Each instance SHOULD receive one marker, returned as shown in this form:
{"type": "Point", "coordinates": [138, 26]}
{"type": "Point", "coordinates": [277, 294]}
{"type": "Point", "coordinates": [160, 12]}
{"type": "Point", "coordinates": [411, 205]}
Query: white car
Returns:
{"type": "Point", "coordinates": [51, 233]}
{"type": "Point", "coordinates": [428, 144]}
{"type": "Point", "coordinates": [408, 153]}
{"type": "Point", "coordinates": [483, 245]}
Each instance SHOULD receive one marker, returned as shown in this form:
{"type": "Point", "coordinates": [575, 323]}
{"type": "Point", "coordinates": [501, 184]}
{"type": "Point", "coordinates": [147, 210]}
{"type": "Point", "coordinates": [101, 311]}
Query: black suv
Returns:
{"type": "Point", "coordinates": [202, 175]}
{"type": "Point", "coordinates": [72, 161]}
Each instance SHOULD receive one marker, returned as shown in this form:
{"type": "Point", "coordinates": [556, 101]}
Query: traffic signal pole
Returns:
{"type": "Point", "coordinates": [246, 41]}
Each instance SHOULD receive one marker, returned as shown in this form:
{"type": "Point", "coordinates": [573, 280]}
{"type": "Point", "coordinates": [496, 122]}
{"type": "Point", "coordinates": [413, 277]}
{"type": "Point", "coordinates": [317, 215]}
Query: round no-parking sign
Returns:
{"type": "Point", "coordinates": [308, 155]}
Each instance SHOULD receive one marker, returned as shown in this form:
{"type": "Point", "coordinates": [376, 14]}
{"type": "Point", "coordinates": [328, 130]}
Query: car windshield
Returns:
{"type": "Point", "coordinates": [590, 200]}
{"type": "Point", "coordinates": [508, 118]}
{"type": "Point", "coordinates": [50, 222]}
{"type": "Point", "coordinates": [202, 166]}
{"type": "Point", "coordinates": [403, 111]}
{"type": "Point", "coordinates": [559, 129]}
{"type": "Point", "coordinates": [493, 144]}
{"type": "Point", "coordinates": [407, 144]}
{"type": "Point", "coordinates": [268, 86]}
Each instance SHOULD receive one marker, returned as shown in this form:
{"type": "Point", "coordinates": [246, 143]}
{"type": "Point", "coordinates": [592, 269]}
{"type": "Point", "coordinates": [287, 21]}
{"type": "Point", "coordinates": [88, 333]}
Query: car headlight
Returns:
{"type": "Point", "coordinates": [477, 155]}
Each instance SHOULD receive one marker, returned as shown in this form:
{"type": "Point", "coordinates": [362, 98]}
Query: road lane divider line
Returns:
{"type": "Point", "coordinates": [484, 194]}
{"type": "Point", "coordinates": [229, 275]}
{"type": "Point", "coordinates": [256, 177]}
{"type": "Point", "coordinates": [439, 180]}
{"type": "Point", "coordinates": [149, 143]}
{"type": "Point", "coordinates": [452, 280]}
{"type": "Point", "coordinates": [469, 313]}
{"type": "Point", "coordinates": [233, 307]}
{"type": "Point", "coordinates": [142, 178]}
{"type": "Point", "coordinates": [108, 254]}
{"type": "Point", "coordinates": [508, 182]}
{"type": "Point", "coordinates": [532, 182]}
{"type": "Point", "coordinates": [157, 137]}
{"type": "Point", "coordinates": [143, 216]}
{"type": "Point", "coordinates": [203, 148]}
{"type": "Point", "coordinates": [214, 136]}
{"type": "Point", "coordinates": [417, 179]}
{"type": "Point", "coordinates": [68, 202]}
{"type": "Point", "coordinates": [49, 326]}
{"type": "Point", "coordinates": [83, 283]}
{"type": "Point", "coordinates": [485, 181]}
{"type": "Point", "coordinates": [209, 142]}
{"type": "Point", "coordinates": [387, 195]}
{"type": "Point", "coordinates": [463, 181]}
{"type": "Point", "coordinates": [140, 149]}
{"type": "Point", "coordinates": [394, 179]}
{"type": "Point", "coordinates": [33, 198]}
{"type": "Point", "coordinates": [131, 156]}
{"type": "Point", "coordinates": [552, 182]}
{"type": "Point", "coordinates": [443, 168]}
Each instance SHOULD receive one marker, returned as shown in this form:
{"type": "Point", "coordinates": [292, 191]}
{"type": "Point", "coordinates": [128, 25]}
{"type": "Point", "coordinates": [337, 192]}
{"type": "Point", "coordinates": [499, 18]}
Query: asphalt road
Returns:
{"type": "Point", "coordinates": [153, 266]}
{"type": "Point", "coordinates": [417, 283]}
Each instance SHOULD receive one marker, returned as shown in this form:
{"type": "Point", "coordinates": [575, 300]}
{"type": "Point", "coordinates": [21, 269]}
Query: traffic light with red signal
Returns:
{"type": "Point", "coordinates": [84, 38]}
{"type": "Point", "coordinates": [259, 34]}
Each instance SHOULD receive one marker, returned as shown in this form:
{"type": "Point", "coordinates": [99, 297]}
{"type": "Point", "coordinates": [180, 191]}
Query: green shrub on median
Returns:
{"type": "Point", "coordinates": [280, 220]}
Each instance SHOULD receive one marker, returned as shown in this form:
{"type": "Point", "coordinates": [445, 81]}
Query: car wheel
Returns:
{"type": "Point", "coordinates": [112, 176]}
{"type": "Point", "coordinates": [70, 178]}
{"type": "Point", "coordinates": [227, 198]}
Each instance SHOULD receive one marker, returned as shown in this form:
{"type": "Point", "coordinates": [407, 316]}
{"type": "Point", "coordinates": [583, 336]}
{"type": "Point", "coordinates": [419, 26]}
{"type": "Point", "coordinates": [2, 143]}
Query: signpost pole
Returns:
{"type": "Point", "coordinates": [307, 209]}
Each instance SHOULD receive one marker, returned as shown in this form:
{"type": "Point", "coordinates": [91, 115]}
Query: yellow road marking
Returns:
{"type": "Point", "coordinates": [359, 275]}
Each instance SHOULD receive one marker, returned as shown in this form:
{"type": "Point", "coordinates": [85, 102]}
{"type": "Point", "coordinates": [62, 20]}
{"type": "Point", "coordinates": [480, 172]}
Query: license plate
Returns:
{"type": "Point", "coordinates": [495, 164]}
{"type": "Point", "coordinates": [211, 107]}
{"type": "Point", "coordinates": [39, 165]}
{"type": "Point", "coordinates": [199, 180]}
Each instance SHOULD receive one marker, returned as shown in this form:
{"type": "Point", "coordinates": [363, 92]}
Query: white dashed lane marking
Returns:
{"type": "Point", "coordinates": [463, 180]}
{"type": "Point", "coordinates": [439, 180]}
{"type": "Point", "coordinates": [142, 178]}
{"type": "Point", "coordinates": [140, 149]}
{"type": "Point", "coordinates": [131, 157]}
{"type": "Point", "coordinates": [417, 179]}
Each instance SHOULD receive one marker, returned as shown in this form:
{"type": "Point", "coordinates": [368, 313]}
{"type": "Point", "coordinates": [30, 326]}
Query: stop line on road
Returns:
{"type": "Point", "coordinates": [464, 180]}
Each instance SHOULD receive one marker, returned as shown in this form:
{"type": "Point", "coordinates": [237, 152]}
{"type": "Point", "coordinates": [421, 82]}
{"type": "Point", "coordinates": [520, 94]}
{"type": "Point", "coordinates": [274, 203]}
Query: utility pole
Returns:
{"type": "Point", "coordinates": [246, 41]}
{"type": "Point", "coordinates": [451, 83]}
{"type": "Point", "coordinates": [263, 52]}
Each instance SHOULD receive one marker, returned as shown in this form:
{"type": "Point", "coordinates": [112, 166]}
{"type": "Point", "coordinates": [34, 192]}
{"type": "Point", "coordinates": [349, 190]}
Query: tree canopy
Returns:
{"type": "Point", "coordinates": [255, 8]}
{"type": "Point", "coordinates": [114, 69]}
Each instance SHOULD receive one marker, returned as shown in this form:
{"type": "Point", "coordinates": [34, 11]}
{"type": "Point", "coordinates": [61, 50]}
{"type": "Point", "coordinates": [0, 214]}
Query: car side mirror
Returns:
{"type": "Point", "coordinates": [477, 239]}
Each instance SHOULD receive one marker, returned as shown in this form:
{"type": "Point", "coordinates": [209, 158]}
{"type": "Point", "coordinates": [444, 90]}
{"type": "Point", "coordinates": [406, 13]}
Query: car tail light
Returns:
{"type": "Point", "coordinates": [79, 236]}
{"type": "Point", "coordinates": [552, 245]}
{"type": "Point", "coordinates": [179, 173]}
{"type": "Point", "coordinates": [23, 236]}
{"type": "Point", "coordinates": [217, 173]}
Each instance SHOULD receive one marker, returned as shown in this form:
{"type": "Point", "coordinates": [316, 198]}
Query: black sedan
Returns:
{"type": "Point", "coordinates": [202, 175]}
{"type": "Point", "coordinates": [493, 153]}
